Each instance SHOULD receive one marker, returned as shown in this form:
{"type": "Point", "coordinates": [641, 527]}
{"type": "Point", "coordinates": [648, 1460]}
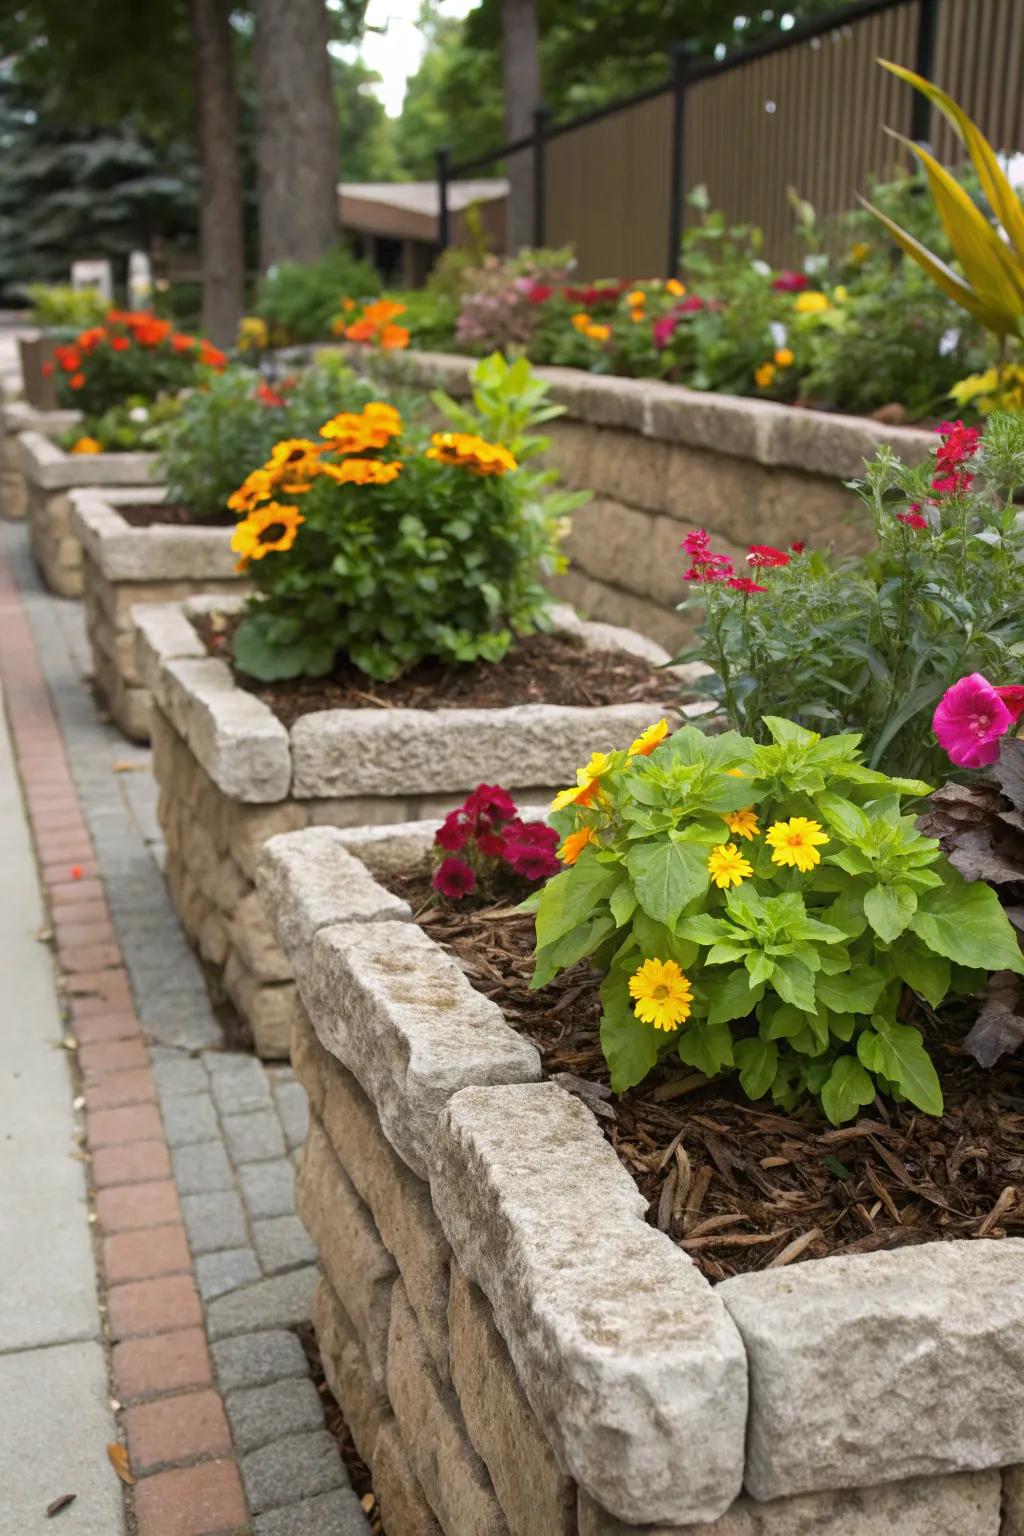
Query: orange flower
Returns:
{"type": "Point", "coordinates": [120, 343]}
{"type": "Point", "coordinates": [575, 843]}
{"type": "Point", "coordinates": [211, 356]}
{"type": "Point", "coordinates": [393, 338]}
{"type": "Point", "coordinates": [86, 445]}
{"type": "Point", "coordinates": [180, 343]}
{"type": "Point", "coordinates": [362, 472]}
{"type": "Point", "coordinates": [273, 528]}
{"type": "Point", "coordinates": [649, 739]}
{"type": "Point", "coordinates": [360, 330]}
{"type": "Point", "coordinates": [91, 338]}
{"type": "Point", "coordinates": [469, 452]}
{"type": "Point", "coordinates": [383, 311]}
{"type": "Point", "coordinates": [77, 381]}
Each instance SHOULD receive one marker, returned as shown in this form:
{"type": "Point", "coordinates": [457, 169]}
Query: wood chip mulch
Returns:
{"type": "Point", "coordinates": [743, 1186]}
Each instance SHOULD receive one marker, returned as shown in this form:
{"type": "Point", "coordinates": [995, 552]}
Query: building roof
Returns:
{"type": "Point", "coordinates": [408, 209]}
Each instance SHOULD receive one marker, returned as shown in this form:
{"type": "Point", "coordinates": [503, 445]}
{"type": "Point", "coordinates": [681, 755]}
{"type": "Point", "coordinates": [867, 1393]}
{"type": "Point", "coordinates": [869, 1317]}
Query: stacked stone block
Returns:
{"type": "Point", "coordinates": [16, 417]}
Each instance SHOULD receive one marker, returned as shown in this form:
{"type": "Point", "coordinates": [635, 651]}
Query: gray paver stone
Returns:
{"type": "Point", "coordinates": [202, 1167]}
{"type": "Point", "coordinates": [175, 1071]}
{"type": "Point", "coordinates": [282, 1242]}
{"type": "Point", "coordinates": [253, 1359]}
{"type": "Point", "coordinates": [293, 1109]}
{"type": "Point", "coordinates": [261, 1414]}
{"type": "Point", "coordinates": [239, 1087]}
{"type": "Point", "coordinates": [311, 1463]}
{"type": "Point", "coordinates": [268, 1188]}
{"type": "Point", "coordinates": [214, 1221]}
{"type": "Point", "coordinates": [332, 1514]}
{"type": "Point", "coordinates": [218, 1273]}
{"type": "Point", "coordinates": [189, 1117]}
{"type": "Point", "coordinates": [254, 1138]}
{"type": "Point", "coordinates": [280, 1302]}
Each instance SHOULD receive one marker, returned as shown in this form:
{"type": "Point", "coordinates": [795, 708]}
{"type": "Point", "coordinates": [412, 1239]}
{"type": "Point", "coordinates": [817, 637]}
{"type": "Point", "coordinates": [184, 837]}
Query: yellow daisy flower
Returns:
{"type": "Point", "coordinates": [796, 842]}
{"type": "Point", "coordinates": [763, 376]}
{"type": "Point", "coordinates": [661, 993]}
{"type": "Point", "coordinates": [743, 823]}
{"type": "Point", "coordinates": [647, 741]}
{"type": "Point", "coordinates": [675, 287]}
{"type": "Point", "coordinates": [588, 782]}
{"type": "Point", "coordinates": [575, 843]}
{"type": "Point", "coordinates": [783, 358]}
{"type": "Point", "coordinates": [810, 303]}
{"type": "Point", "coordinates": [727, 866]}
{"type": "Point", "coordinates": [272, 529]}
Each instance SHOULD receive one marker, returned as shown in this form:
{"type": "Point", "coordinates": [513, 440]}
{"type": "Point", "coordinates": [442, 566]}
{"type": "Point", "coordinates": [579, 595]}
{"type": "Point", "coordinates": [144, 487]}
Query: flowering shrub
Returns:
{"type": "Point", "coordinates": [762, 909]}
{"type": "Point", "coordinates": [485, 840]}
{"type": "Point", "coordinates": [298, 302]}
{"type": "Point", "coordinates": [363, 543]}
{"type": "Point", "coordinates": [871, 644]}
{"type": "Point", "coordinates": [133, 353]}
{"type": "Point", "coordinates": [232, 424]}
{"type": "Point", "coordinates": [373, 326]}
{"type": "Point", "coordinates": [501, 301]}
{"type": "Point", "coordinates": [135, 426]}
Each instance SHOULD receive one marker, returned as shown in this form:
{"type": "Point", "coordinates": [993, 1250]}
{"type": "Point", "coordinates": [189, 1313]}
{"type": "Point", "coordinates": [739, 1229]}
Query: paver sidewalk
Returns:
{"type": "Point", "coordinates": [205, 1270]}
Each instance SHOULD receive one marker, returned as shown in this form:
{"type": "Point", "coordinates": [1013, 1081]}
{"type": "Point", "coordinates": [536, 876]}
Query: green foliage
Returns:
{"type": "Point", "coordinates": [229, 427]}
{"type": "Point", "coordinates": [135, 425]}
{"type": "Point", "coordinates": [795, 970]}
{"type": "Point", "coordinates": [58, 304]}
{"type": "Point", "coordinates": [299, 302]}
{"type": "Point", "coordinates": [366, 135]}
{"type": "Point", "coordinates": [870, 644]}
{"type": "Point", "coordinates": [446, 560]}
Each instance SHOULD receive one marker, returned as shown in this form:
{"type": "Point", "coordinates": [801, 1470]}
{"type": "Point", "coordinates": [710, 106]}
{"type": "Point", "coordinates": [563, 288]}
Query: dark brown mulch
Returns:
{"type": "Point", "coordinates": [359, 1473]}
{"type": "Point", "coordinates": [176, 513]}
{"type": "Point", "coordinates": [743, 1186]}
{"type": "Point", "coordinates": [541, 669]}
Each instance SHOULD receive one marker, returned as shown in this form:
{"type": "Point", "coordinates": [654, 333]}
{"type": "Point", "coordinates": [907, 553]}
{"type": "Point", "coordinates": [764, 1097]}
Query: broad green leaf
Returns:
{"type": "Point", "coordinates": [855, 991]}
{"type": "Point", "coordinates": [781, 1022]}
{"type": "Point", "coordinates": [725, 954]}
{"type": "Point", "coordinates": [889, 908]}
{"type": "Point", "coordinates": [570, 948]}
{"type": "Point", "coordinates": [847, 1089]}
{"type": "Point", "coordinates": [622, 903]}
{"type": "Point", "coordinates": [966, 923]}
{"type": "Point", "coordinates": [758, 1062]}
{"type": "Point", "coordinates": [843, 817]}
{"type": "Point", "coordinates": [732, 997]}
{"type": "Point", "coordinates": [570, 898]}
{"type": "Point", "coordinates": [923, 970]}
{"type": "Point", "coordinates": [759, 968]}
{"type": "Point", "coordinates": [657, 941]}
{"type": "Point", "coordinates": [786, 733]}
{"type": "Point", "coordinates": [708, 1047]}
{"type": "Point", "coordinates": [630, 1046]}
{"type": "Point", "coordinates": [794, 982]}
{"type": "Point", "coordinates": [852, 861]}
{"type": "Point", "coordinates": [667, 876]}
{"type": "Point", "coordinates": [846, 913]}
{"type": "Point", "coordinates": [903, 1060]}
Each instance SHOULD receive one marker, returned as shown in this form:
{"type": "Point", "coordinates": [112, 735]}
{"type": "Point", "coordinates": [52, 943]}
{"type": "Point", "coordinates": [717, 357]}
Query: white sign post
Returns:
{"type": "Point", "coordinates": [95, 275]}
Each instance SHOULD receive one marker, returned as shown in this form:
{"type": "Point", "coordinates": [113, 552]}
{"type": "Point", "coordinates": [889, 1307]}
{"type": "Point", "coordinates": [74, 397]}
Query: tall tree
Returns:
{"type": "Point", "coordinates": [297, 131]}
{"type": "Point", "coordinates": [520, 74]}
{"type": "Point", "coordinates": [221, 248]}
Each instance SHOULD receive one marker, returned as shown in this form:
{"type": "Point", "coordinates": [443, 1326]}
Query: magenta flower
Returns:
{"type": "Point", "coordinates": [969, 721]}
{"type": "Point", "coordinates": [454, 879]}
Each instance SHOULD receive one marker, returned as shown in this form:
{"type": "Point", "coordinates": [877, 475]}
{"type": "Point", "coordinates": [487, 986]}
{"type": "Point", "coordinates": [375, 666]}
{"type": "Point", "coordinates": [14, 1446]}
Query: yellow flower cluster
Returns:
{"type": "Point", "coordinates": [268, 529]}
{"type": "Point", "coordinates": [469, 452]}
{"type": "Point", "coordinates": [764, 376]}
{"type": "Point", "coordinates": [997, 389]}
{"type": "Point", "coordinates": [371, 428]}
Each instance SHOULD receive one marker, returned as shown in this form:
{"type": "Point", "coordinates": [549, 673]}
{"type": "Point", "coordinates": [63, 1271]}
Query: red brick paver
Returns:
{"type": "Point", "coordinates": [133, 1122]}
{"type": "Point", "coordinates": [167, 1362]}
{"type": "Point", "coordinates": [191, 1501]}
{"type": "Point", "coordinates": [153, 1306]}
{"type": "Point", "coordinates": [145, 1253]}
{"type": "Point", "coordinates": [141, 1162]}
{"type": "Point", "coordinates": [122, 1209]}
{"type": "Point", "coordinates": [111, 1056]}
{"type": "Point", "coordinates": [116, 1090]}
{"type": "Point", "coordinates": [176, 1429]}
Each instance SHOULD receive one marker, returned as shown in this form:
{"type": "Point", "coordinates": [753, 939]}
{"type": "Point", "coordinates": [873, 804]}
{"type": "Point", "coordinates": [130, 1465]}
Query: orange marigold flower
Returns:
{"type": "Point", "coordinates": [580, 321]}
{"type": "Point", "coordinates": [598, 332]}
{"type": "Point", "coordinates": [272, 529]}
{"type": "Point", "coordinates": [393, 338]}
{"type": "Point", "coordinates": [362, 472]}
{"type": "Point", "coordinates": [469, 452]}
{"type": "Point", "coordinates": [87, 445]}
{"type": "Point", "coordinates": [675, 287]}
{"type": "Point", "coordinates": [77, 381]}
{"type": "Point", "coordinates": [575, 843]}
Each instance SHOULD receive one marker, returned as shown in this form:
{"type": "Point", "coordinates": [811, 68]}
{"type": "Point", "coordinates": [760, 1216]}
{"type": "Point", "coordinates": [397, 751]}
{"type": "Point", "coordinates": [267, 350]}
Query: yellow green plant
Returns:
{"type": "Point", "coordinates": [991, 288]}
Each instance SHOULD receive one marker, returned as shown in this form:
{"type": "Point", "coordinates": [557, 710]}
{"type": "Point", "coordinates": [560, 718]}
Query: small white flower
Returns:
{"type": "Point", "coordinates": [949, 341]}
{"type": "Point", "coordinates": [761, 268]}
{"type": "Point", "coordinates": [815, 264]}
{"type": "Point", "coordinates": [138, 413]}
{"type": "Point", "coordinates": [779, 336]}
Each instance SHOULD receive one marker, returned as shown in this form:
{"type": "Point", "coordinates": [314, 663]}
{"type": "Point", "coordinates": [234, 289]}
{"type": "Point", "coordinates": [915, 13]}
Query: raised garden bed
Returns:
{"type": "Point", "coordinates": [137, 549]}
{"type": "Point", "coordinates": [233, 771]}
{"type": "Point", "coordinates": [16, 417]}
{"type": "Point", "coordinates": [50, 476]}
{"type": "Point", "coordinates": [517, 1344]}
{"type": "Point", "coordinates": [662, 459]}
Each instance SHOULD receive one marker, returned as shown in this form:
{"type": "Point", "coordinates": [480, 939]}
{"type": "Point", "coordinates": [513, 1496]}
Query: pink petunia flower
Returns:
{"type": "Point", "coordinates": [969, 721]}
{"type": "Point", "coordinates": [454, 879]}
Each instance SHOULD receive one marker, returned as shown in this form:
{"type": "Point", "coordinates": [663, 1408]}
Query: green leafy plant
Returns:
{"type": "Point", "coordinates": [298, 303]}
{"type": "Point", "coordinates": [230, 426]}
{"type": "Point", "coordinates": [137, 425]}
{"type": "Point", "coordinates": [58, 304]}
{"type": "Point", "coordinates": [763, 909]}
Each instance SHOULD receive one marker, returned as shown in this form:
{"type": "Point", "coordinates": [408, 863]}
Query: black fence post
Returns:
{"type": "Point", "coordinates": [540, 128]}
{"type": "Point", "coordinates": [924, 60]}
{"type": "Point", "coordinates": [443, 230]}
{"type": "Point", "coordinates": [680, 72]}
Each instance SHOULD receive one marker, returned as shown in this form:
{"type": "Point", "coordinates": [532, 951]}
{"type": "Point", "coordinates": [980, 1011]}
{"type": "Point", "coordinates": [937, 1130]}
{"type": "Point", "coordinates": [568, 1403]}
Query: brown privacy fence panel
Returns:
{"type": "Point", "coordinates": [804, 109]}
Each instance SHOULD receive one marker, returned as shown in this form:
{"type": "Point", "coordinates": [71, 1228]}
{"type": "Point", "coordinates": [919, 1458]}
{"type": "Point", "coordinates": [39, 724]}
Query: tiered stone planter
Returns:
{"type": "Point", "coordinates": [662, 459]}
{"type": "Point", "coordinates": [16, 417]}
{"type": "Point", "coordinates": [50, 476]}
{"type": "Point", "coordinates": [123, 566]}
{"type": "Point", "coordinates": [517, 1353]}
{"type": "Point", "coordinates": [231, 775]}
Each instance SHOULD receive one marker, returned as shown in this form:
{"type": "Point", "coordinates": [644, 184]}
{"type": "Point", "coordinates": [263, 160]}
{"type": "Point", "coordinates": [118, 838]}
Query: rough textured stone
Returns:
{"type": "Point", "coordinates": [253, 1359]}
{"type": "Point", "coordinates": [214, 1221]}
{"type": "Point", "coordinates": [238, 1083]}
{"type": "Point", "coordinates": [280, 1302]}
{"type": "Point", "coordinates": [293, 1110]}
{"type": "Point", "coordinates": [46, 465]}
{"type": "Point", "coordinates": [365, 1406]}
{"type": "Point", "coordinates": [329, 1514]}
{"type": "Point", "coordinates": [966, 1504]}
{"type": "Point", "coordinates": [308, 881]}
{"type": "Point", "coordinates": [240, 743]}
{"type": "Point", "coordinates": [449, 1471]}
{"type": "Point", "coordinates": [403, 1507]}
{"type": "Point", "coordinates": [253, 939]}
{"type": "Point", "coordinates": [352, 1255]}
{"type": "Point", "coordinates": [159, 552]}
{"type": "Point", "coordinates": [251, 826]}
{"type": "Point", "coordinates": [424, 751]}
{"type": "Point", "coordinates": [218, 1273]}
{"type": "Point", "coordinates": [1013, 1501]}
{"type": "Point", "coordinates": [925, 1351]}
{"type": "Point", "coordinates": [311, 1462]}
{"type": "Point", "coordinates": [267, 1007]}
{"type": "Point", "coordinates": [201, 1168]}
{"type": "Point", "coordinates": [162, 631]}
{"type": "Point", "coordinates": [536, 1497]}
{"type": "Point", "coordinates": [594, 597]}
{"type": "Point", "coordinates": [408, 1025]}
{"type": "Point", "coordinates": [393, 849]}
{"type": "Point", "coordinates": [645, 1403]}
{"type": "Point", "coordinates": [261, 1414]}
{"type": "Point", "coordinates": [268, 1188]}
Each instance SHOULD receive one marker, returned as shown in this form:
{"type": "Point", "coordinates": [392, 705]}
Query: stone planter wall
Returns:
{"type": "Point", "coordinates": [124, 566]}
{"type": "Point", "coordinates": [231, 775]}
{"type": "Point", "coordinates": [517, 1353]}
{"type": "Point", "coordinates": [662, 460]}
{"type": "Point", "coordinates": [16, 417]}
{"type": "Point", "coordinates": [50, 477]}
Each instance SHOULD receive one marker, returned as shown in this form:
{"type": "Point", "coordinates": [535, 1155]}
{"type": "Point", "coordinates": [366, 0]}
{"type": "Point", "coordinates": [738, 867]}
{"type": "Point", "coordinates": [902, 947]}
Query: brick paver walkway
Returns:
{"type": "Point", "coordinates": [206, 1270]}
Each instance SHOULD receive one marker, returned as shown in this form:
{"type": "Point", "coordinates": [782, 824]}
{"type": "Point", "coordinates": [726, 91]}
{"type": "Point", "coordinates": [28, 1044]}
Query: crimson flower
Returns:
{"type": "Point", "coordinates": [969, 721]}
{"type": "Point", "coordinates": [492, 844]}
{"type": "Point", "coordinates": [798, 546]}
{"type": "Point", "coordinates": [539, 293]}
{"type": "Point", "coordinates": [696, 542]}
{"type": "Point", "coordinates": [267, 396]}
{"type": "Point", "coordinates": [766, 556]}
{"type": "Point", "coordinates": [663, 330]}
{"type": "Point", "coordinates": [790, 282]}
{"type": "Point", "coordinates": [1012, 695]}
{"type": "Point", "coordinates": [454, 879]}
{"type": "Point", "coordinates": [912, 519]}
{"type": "Point", "coordinates": [455, 831]}
{"type": "Point", "coordinates": [744, 584]}
{"type": "Point", "coordinates": [690, 305]}
{"type": "Point", "coordinates": [492, 801]}
{"type": "Point", "coordinates": [530, 849]}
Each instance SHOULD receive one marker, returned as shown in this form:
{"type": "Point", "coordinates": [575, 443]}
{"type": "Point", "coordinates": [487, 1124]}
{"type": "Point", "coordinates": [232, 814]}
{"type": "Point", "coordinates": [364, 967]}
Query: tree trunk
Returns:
{"type": "Point", "coordinates": [296, 132]}
{"type": "Point", "coordinates": [520, 70]}
{"type": "Point", "coordinates": [222, 254]}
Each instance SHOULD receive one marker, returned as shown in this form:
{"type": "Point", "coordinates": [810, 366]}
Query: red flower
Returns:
{"type": "Point", "coordinates": [539, 293]}
{"type": "Point", "coordinates": [267, 396]}
{"type": "Point", "coordinates": [454, 832]}
{"type": "Point", "coordinates": [47, 370]}
{"type": "Point", "coordinates": [690, 305]}
{"type": "Point", "coordinates": [76, 381]}
{"type": "Point", "coordinates": [766, 556]}
{"type": "Point", "coordinates": [1012, 696]}
{"type": "Point", "coordinates": [120, 343]}
{"type": "Point", "coordinates": [709, 567]}
{"type": "Point", "coordinates": [912, 519]}
{"type": "Point", "coordinates": [492, 844]}
{"type": "Point", "coordinates": [790, 282]}
{"type": "Point", "coordinates": [530, 849]}
{"type": "Point", "coordinates": [454, 879]}
{"type": "Point", "coordinates": [696, 542]}
{"type": "Point", "coordinates": [798, 546]}
{"type": "Point", "coordinates": [663, 330]}
{"type": "Point", "coordinates": [69, 358]}
{"type": "Point", "coordinates": [744, 584]}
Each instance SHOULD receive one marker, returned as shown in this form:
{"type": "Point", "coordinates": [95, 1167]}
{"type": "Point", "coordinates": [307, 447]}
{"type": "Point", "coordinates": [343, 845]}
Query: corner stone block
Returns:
{"type": "Point", "coordinates": [447, 1468]}
{"type": "Point", "coordinates": [401, 1016]}
{"type": "Point", "coordinates": [236, 738]}
{"type": "Point", "coordinates": [966, 1504]}
{"type": "Point", "coordinates": [633, 1367]}
{"type": "Point", "coordinates": [162, 632]}
{"type": "Point", "coordinates": [882, 1366]}
{"type": "Point", "coordinates": [536, 1497]}
{"type": "Point", "coordinates": [308, 881]}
